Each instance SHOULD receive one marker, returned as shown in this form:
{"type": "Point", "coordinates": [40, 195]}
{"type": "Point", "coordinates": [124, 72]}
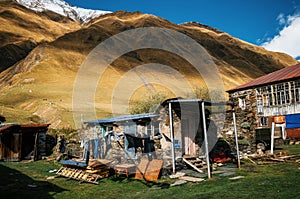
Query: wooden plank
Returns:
{"type": "Point", "coordinates": [191, 179]}
{"type": "Point", "coordinates": [148, 170]}
{"type": "Point", "coordinates": [15, 154]}
{"type": "Point", "coordinates": [98, 162]}
{"type": "Point", "coordinates": [193, 166]}
{"type": "Point", "coordinates": [153, 170]}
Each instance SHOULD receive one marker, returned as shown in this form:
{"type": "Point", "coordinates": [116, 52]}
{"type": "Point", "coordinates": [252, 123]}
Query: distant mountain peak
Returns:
{"type": "Point", "coordinates": [63, 8]}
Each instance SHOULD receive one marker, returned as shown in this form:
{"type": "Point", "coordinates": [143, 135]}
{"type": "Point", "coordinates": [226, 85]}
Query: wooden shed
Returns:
{"type": "Point", "coordinates": [22, 141]}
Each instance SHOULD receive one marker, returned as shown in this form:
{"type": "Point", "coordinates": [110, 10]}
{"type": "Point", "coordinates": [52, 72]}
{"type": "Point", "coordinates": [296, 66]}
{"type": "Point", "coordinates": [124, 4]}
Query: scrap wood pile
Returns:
{"type": "Point", "coordinates": [94, 171]}
{"type": "Point", "coordinates": [269, 158]}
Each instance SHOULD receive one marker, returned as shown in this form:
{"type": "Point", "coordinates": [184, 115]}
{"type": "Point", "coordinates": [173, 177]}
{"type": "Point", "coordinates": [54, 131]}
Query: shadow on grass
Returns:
{"type": "Point", "coordinates": [149, 184]}
{"type": "Point", "coordinates": [14, 184]}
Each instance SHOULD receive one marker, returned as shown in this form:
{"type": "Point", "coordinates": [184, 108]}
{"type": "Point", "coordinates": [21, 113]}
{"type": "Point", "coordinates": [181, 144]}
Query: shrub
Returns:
{"type": "Point", "coordinates": [149, 104]}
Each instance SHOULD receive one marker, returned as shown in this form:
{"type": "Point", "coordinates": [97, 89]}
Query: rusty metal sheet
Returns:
{"type": "Point", "coordinates": [286, 73]}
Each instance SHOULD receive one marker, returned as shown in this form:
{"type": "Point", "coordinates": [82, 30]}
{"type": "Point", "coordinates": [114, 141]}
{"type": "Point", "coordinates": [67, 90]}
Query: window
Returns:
{"type": "Point", "coordinates": [279, 94]}
{"type": "Point", "coordinates": [266, 101]}
{"type": "Point", "coordinates": [259, 104]}
{"type": "Point", "coordinates": [263, 96]}
{"type": "Point", "coordinates": [264, 121]}
{"type": "Point", "coordinates": [278, 98]}
{"type": "Point", "coordinates": [242, 103]}
{"type": "Point", "coordinates": [296, 90]}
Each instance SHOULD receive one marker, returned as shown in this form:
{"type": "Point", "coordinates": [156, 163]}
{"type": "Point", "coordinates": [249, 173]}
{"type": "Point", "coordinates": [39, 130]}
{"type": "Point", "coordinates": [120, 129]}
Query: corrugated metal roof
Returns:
{"type": "Point", "coordinates": [122, 118]}
{"type": "Point", "coordinates": [286, 73]}
{"type": "Point", "coordinates": [191, 101]}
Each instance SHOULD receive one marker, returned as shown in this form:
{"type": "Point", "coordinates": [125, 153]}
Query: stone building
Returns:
{"type": "Point", "coordinates": [151, 134]}
{"type": "Point", "coordinates": [274, 97]}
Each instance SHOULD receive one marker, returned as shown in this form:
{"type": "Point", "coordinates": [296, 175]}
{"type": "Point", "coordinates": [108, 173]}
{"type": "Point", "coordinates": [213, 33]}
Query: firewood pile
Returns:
{"type": "Point", "coordinates": [99, 166]}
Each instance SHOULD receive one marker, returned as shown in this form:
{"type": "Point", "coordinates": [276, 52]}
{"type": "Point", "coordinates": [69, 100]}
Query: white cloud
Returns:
{"type": "Point", "coordinates": [281, 19]}
{"type": "Point", "coordinates": [288, 39]}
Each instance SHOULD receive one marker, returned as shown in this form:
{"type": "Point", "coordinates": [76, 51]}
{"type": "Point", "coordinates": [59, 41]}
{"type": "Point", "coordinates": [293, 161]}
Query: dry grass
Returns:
{"type": "Point", "coordinates": [32, 25]}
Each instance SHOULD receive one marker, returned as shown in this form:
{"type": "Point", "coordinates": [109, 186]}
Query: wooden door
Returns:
{"type": "Point", "coordinates": [188, 137]}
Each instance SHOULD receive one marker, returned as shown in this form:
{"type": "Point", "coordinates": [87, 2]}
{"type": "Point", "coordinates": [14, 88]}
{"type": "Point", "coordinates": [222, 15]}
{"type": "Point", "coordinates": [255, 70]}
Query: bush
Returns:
{"type": "Point", "coordinates": [149, 104]}
{"type": "Point", "coordinates": [216, 94]}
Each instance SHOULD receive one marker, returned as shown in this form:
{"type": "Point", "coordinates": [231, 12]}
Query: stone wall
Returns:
{"type": "Point", "coordinates": [245, 107]}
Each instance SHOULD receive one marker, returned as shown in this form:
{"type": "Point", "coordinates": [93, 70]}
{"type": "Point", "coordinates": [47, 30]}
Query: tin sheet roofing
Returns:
{"type": "Point", "coordinates": [123, 118]}
{"type": "Point", "coordinates": [286, 73]}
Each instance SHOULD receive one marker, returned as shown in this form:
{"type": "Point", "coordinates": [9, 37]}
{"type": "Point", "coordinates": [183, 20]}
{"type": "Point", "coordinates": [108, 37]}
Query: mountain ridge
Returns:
{"type": "Point", "coordinates": [41, 84]}
{"type": "Point", "coordinates": [63, 8]}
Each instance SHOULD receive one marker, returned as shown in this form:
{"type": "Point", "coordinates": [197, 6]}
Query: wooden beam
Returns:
{"type": "Point", "coordinates": [193, 166]}
{"type": "Point", "coordinates": [172, 136]}
{"type": "Point", "coordinates": [205, 140]}
{"type": "Point", "coordinates": [272, 138]}
{"type": "Point", "coordinates": [236, 141]}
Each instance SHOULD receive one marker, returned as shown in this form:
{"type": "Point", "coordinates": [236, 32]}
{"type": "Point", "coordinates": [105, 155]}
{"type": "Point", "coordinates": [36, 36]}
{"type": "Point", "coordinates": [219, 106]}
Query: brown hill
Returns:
{"type": "Point", "coordinates": [40, 86]}
{"type": "Point", "coordinates": [21, 30]}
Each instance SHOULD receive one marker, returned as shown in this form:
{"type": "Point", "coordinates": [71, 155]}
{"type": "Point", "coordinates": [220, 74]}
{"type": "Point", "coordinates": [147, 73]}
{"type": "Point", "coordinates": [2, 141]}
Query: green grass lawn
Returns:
{"type": "Point", "coordinates": [29, 180]}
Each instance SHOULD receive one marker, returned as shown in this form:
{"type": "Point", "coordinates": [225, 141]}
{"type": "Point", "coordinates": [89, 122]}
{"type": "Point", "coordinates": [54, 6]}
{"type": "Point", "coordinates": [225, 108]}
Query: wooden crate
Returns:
{"type": "Point", "coordinates": [126, 169]}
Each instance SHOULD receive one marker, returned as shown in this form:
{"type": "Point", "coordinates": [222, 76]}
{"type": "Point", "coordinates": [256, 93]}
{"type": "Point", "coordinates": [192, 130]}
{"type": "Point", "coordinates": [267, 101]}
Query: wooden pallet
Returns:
{"type": "Point", "coordinates": [83, 175]}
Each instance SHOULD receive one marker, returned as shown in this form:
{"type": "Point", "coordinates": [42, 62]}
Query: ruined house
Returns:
{"type": "Point", "coordinates": [274, 97]}
{"type": "Point", "coordinates": [127, 134]}
{"type": "Point", "coordinates": [178, 120]}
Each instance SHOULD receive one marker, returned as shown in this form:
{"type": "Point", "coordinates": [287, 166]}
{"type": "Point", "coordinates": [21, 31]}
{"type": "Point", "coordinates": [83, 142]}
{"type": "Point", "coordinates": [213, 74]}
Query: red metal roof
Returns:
{"type": "Point", "coordinates": [3, 128]}
{"type": "Point", "coordinates": [22, 126]}
{"type": "Point", "coordinates": [35, 125]}
{"type": "Point", "coordinates": [286, 73]}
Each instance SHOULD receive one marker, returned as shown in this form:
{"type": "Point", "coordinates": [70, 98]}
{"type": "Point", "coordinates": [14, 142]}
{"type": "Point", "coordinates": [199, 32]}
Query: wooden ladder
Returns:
{"type": "Point", "coordinates": [195, 163]}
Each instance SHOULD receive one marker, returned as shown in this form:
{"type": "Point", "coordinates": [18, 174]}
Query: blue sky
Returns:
{"type": "Point", "coordinates": [255, 21]}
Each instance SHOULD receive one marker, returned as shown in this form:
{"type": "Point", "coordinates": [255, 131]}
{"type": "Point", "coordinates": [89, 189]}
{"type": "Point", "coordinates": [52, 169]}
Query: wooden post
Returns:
{"type": "Point", "coordinates": [236, 140]}
{"type": "Point", "coordinates": [36, 147]}
{"type": "Point", "coordinates": [172, 136]}
{"type": "Point", "coordinates": [272, 137]}
{"type": "Point", "coordinates": [205, 140]}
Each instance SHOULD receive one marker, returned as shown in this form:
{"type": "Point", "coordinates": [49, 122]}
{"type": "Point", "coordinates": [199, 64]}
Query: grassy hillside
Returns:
{"type": "Point", "coordinates": [41, 84]}
{"type": "Point", "coordinates": [21, 30]}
